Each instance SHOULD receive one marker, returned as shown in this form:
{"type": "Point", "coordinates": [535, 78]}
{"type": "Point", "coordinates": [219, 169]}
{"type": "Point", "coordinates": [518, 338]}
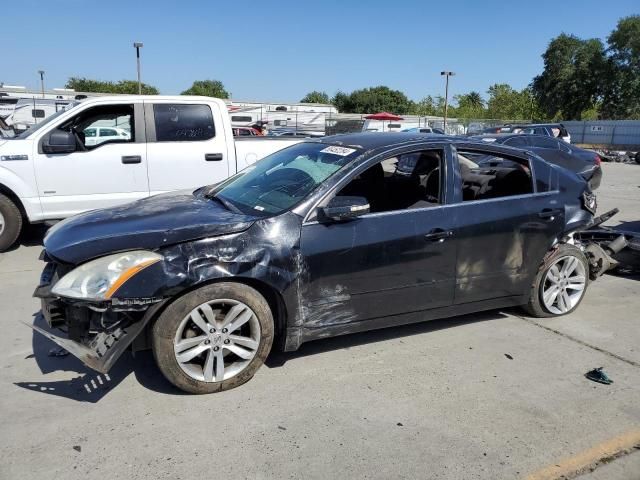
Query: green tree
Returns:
{"type": "Point", "coordinates": [315, 97]}
{"type": "Point", "coordinates": [506, 103]}
{"type": "Point", "coordinates": [571, 81]}
{"type": "Point", "coordinates": [428, 106]}
{"type": "Point", "coordinates": [207, 88]}
{"type": "Point", "coordinates": [621, 98]}
{"type": "Point", "coordinates": [81, 84]}
{"type": "Point", "coordinates": [371, 100]}
{"type": "Point", "coordinates": [469, 105]}
{"type": "Point", "coordinates": [342, 101]}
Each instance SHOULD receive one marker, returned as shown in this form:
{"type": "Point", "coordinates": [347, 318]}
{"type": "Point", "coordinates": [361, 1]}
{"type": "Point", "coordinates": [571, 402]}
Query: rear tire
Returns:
{"type": "Point", "coordinates": [560, 284]}
{"type": "Point", "coordinates": [214, 338]}
{"type": "Point", "coordinates": [10, 222]}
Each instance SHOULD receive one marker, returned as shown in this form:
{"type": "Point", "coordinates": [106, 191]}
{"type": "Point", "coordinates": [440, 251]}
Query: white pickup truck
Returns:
{"type": "Point", "coordinates": [58, 168]}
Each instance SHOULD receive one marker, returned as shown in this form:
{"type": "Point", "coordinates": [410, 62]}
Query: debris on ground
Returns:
{"type": "Point", "coordinates": [508, 356]}
{"type": "Point", "coordinates": [77, 448]}
{"type": "Point", "coordinates": [58, 352]}
{"type": "Point", "coordinates": [597, 375]}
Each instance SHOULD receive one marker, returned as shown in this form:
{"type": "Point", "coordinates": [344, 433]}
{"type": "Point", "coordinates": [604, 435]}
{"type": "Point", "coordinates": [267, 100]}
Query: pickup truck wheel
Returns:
{"type": "Point", "coordinates": [214, 338]}
{"type": "Point", "coordinates": [560, 284]}
{"type": "Point", "coordinates": [10, 222]}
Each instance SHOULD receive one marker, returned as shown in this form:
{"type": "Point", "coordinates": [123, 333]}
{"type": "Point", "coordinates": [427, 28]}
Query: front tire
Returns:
{"type": "Point", "coordinates": [10, 222]}
{"type": "Point", "coordinates": [214, 338]}
{"type": "Point", "coordinates": [560, 284]}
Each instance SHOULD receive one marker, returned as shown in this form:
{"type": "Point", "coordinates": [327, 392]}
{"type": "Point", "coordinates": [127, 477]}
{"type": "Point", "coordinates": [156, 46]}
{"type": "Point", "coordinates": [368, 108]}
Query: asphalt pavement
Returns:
{"type": "Point", "coordinates": [495, 395]}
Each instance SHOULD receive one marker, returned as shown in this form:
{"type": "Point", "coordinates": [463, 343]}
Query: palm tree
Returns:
{"type": "Point", "coordinates": [475, 99]}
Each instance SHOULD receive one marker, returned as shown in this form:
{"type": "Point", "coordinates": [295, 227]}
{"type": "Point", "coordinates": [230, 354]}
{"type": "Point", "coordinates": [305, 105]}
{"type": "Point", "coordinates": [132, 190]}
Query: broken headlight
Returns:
{"type": "Point", "coordinates": [590, 202]}
{"type": "Point", "coordinates": [99, 279]}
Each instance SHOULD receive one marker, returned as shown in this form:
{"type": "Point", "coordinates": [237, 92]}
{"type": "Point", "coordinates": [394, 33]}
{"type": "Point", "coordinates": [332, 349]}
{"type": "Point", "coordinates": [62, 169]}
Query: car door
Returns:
{"type": "Point", "coordinates": [99, 173]}
{"type": "Point", "coordinates": [186, 147]}
{"type": "Point", "coordinates": [501, 236]}
{"type": "Point", "coordinates": [382, 264]}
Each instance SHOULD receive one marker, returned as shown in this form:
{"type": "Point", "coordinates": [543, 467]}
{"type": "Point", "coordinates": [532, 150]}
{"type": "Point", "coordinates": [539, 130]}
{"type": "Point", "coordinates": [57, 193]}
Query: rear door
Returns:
{"type": "Point", "coordinates": [186, 145]}
{"type": "Point", "coordinates": [504, 225]}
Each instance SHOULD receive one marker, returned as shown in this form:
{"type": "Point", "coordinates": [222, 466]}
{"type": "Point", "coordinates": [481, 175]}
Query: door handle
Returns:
{"type": "Point", "coordinates": [213, 157]}
{"type": "Point", "coordinates": [438, 235]}
{"type": "Point", "coordinates": [127, 159]}
{"type": "Point", "coordinates": [549, 213]}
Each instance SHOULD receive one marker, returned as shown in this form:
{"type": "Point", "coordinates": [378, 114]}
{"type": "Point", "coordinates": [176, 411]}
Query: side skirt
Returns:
{"type": "Point", "coordinates": [309, 334]}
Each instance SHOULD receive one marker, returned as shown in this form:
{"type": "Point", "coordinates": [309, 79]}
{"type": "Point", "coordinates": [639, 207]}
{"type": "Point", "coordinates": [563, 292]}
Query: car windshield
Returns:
{"type": "Point", "coordinates": [46, 121]}
{"type": "Point", "coordinates": [280, 181]}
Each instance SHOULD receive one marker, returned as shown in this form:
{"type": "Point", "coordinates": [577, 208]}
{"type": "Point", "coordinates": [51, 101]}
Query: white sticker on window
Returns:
{"type": "Point", "coordinates": [259, 208]}
{"type": "Point", "coordinates": [342, 151]}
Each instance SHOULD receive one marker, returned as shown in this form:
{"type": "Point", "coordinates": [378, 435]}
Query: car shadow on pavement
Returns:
{"type": "Point", "coordinates": [278, 359]}
{"type": "Point", "coordinates": [31, 236]}
{"type": "Point", "coordinates": [88, 385]}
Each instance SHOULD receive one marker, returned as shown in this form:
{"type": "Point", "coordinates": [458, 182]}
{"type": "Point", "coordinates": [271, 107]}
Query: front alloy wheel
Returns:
{"type": "Point", "coordinates": [217, 340]}
{"type": "Point", "coordinates": [213, 338]}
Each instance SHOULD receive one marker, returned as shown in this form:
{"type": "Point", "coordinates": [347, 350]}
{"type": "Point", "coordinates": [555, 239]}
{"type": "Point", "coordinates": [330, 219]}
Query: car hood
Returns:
{"type": "Point", "coordinates": [150, 223]}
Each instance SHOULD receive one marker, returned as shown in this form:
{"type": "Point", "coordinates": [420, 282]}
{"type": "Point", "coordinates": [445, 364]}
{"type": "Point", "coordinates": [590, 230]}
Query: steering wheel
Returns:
{"type": "Point", "coordinates": [288, 180]}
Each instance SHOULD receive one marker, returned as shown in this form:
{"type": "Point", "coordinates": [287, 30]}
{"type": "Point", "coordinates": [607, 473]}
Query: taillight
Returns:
{"type": "Point", "coordinates": [598, 160]}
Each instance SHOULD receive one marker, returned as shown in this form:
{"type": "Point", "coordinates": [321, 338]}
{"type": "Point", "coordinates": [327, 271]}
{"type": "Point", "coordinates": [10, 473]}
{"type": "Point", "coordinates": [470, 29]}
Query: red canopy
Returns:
{"type": "Point", "coordinates": [383, 116]}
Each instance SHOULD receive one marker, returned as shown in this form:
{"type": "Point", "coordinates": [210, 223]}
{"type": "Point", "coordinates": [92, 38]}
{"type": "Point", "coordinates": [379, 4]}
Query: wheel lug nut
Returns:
{"type": "Point", "coordinates": [213, 330]}
{"type": "Point", "coordinates": [224, 330]}
{"type": "Point", "coordinates": [207, 342]}
{"type": "Point", "coordinates": [227, 341]}
{"type": "Point", "coordinates": [215, 349]}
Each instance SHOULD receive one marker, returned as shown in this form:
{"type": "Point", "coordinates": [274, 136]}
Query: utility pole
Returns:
{"type": "Point", "coordinates": [138, 46]}
{"type": "Point", "coordinates": [446, 97]}
{"type": "Point", "coordinates": [41, 72]}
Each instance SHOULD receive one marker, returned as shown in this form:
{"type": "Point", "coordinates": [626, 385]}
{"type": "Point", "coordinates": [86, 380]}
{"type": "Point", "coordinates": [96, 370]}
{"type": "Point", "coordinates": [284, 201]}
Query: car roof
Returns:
{"type": "Point", "coordinates": [373, 140]}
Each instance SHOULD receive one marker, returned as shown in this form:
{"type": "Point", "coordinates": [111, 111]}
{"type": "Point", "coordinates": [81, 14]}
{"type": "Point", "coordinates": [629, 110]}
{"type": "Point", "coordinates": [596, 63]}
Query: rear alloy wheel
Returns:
{"type": "Point", "coordinates": [10, 223]}
{"type": "Point", "coordinates": [214, 338]}
{"type": "Point", "coordinates": [560, 284]}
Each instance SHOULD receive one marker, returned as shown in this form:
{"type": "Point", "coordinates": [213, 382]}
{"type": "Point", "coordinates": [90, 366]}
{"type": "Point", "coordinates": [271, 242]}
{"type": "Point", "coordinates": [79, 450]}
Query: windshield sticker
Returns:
{"type": "Point", "coordinates": [342, 151]}
{"type": "Point", "coordinates": [259, 208]}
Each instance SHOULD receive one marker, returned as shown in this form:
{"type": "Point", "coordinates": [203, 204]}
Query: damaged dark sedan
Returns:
{"type": "Point", "coordinates": [327, 237]}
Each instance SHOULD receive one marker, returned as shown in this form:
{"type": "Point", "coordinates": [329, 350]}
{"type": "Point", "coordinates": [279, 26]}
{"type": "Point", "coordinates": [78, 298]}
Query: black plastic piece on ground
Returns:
{"type": "Point", "coordinates": [597, 375]}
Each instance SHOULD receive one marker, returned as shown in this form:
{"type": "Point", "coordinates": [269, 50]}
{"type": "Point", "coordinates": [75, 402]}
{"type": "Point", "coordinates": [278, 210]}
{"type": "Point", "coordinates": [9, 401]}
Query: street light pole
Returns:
{"type": "Point", "coordinates": [41, 72]}
{"type": "Point", "coordinates": [446, 97]}
{"type": "Point", "coordinates": [138, 46]}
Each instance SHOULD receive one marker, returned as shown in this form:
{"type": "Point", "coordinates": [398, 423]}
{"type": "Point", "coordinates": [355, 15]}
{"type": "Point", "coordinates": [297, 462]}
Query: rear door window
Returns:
{"type": "Point", "coordinates": [183, 122]}
{"type": "Point", "coordinates": [489, 175]}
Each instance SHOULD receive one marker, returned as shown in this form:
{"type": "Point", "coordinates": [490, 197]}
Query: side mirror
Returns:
{"type": "Point", "coordinates": [59, 141]}
{"type": "Point", "coordinates": [344, 208]}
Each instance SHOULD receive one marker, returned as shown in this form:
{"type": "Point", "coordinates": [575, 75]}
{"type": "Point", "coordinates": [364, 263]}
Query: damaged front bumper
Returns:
{"type": "Point", "coordinates": [96, 333]}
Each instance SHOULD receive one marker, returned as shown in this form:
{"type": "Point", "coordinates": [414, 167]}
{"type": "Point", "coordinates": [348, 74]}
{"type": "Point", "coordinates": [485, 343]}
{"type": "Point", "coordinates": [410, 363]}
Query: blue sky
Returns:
{"type": "Point", "coordinates": [278, 51]}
